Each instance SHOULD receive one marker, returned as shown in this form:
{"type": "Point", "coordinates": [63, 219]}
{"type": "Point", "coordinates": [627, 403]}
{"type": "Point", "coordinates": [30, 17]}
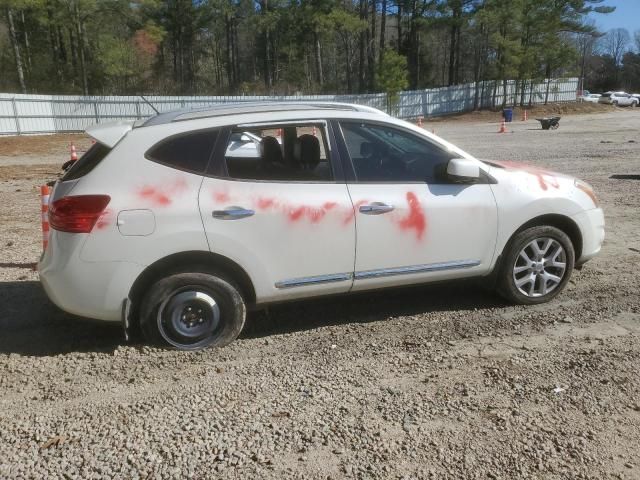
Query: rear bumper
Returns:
{"type": "Point", "coordinates": [88, 289]}
{"type": "Point", "coordinates": [591, 224]}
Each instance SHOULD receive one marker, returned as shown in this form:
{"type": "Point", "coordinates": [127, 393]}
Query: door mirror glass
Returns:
{"type": "Point", "coordinates": [463, 170]}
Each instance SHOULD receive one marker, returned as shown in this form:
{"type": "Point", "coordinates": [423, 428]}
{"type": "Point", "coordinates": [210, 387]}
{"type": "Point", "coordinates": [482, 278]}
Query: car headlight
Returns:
{"type": "Point", "coordinates": [586, 188]}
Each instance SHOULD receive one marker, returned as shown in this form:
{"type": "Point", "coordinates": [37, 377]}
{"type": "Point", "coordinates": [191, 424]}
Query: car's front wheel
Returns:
{"type": "Point", "coordinates": [190, 311]}
{"type": "Point", "coordinates": [536, 265]}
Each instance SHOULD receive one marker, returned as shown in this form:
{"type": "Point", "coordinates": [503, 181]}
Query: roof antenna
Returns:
{"type": "Point", "coordinates": [150, 104]}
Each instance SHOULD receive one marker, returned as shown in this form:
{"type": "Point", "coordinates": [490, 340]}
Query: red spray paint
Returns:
{"type": "Point", "coordinates": [313, 214]}
{"type": "Point", "coordinates": [221, 197]}
{"type": "Point", "coordinates": [105, 220]}
{"type": "Point", "coordinates": [415, 219]}
{"type": "Point", "coordinates": [351, 214]}
{"type": "Point", "coordinates": [296, 213]}
{"type": "Point", "coordinates": [265, 203]}
{"type": "Point", "coordinates": [545, 178]}
{"type": "Point", "coordinates": [155, 196]}
{"type": "Point", "coordinates": [161, 196]}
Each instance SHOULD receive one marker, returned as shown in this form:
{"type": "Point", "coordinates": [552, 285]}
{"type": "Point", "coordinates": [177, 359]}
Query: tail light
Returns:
{"type": "Point", "coordinates": [77, 214]}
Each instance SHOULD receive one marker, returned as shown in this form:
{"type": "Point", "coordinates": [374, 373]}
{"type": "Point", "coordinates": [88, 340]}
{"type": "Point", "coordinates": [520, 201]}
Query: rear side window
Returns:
{"type": "Point", "coordinates": [87, 162]}
{"type": "Point", "coordinates": [189, 152]}
{"type": "Point", "coordinates": [284, 153]}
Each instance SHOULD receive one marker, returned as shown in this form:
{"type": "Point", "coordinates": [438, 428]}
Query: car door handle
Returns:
{"type": "Point", "coordinates": [232, 213]}
{"type": "Point", "coordinates": [376, 208]}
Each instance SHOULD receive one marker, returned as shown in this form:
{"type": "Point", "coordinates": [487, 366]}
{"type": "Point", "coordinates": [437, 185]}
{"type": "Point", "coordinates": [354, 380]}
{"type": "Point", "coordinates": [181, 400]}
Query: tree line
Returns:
{"type": "Point", "coordinates": [290, 46]}
{"type": "Point", "coordinates": [611, 61]}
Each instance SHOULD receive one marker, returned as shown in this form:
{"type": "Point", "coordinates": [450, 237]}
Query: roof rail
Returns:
{"type": "Point", "coordinates": [224, 109]}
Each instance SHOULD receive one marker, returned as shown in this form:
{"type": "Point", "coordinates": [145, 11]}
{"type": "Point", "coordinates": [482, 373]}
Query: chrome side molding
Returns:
{"type": "Point", "coordinates": [383, 272]}
{"type": "Point", "coordinates": [431, 267]}
{"type": "Point", "coordinates": [302, 282]}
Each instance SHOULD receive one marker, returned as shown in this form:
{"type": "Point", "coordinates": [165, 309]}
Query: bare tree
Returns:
{"type": "Point", "coordinates": [16, 50]}
{"type": "Point", "coordinates": [615, 44]}
{"type": "Point", "coordinates": [585, 45]}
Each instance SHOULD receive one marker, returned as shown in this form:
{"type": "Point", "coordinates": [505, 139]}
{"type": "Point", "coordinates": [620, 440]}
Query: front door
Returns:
{"type": "Point", "coordinates": [278, 208]}
{"type": "Point", "coordinates": [412, 224]}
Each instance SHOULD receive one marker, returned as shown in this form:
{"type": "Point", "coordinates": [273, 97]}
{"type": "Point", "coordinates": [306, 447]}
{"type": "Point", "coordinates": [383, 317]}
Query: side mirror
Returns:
{"type": "Point", "coordinates": [463, 170]}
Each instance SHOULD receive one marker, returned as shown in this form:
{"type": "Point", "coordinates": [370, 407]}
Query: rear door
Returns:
{"type": "Point", "coordinates": [281, 209]}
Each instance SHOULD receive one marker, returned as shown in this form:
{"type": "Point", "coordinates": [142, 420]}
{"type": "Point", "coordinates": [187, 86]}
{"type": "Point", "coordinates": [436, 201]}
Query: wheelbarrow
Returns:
{"type": "Point", "coordinates": [549, 122]}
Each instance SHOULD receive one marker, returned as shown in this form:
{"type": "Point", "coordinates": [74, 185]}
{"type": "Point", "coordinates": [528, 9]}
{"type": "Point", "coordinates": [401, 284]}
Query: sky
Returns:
{"type": "Point", "coordinates": [626, 15]}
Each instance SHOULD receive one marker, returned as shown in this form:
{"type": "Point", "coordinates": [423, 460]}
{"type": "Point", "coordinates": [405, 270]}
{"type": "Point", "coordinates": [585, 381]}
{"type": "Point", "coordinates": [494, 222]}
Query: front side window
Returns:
{"type": "Point", "coordinates": [296, 153]}
{"type": "Point", "coordinates": [188, 151]}
{"type": "Point", "coordinates": [386, 154]}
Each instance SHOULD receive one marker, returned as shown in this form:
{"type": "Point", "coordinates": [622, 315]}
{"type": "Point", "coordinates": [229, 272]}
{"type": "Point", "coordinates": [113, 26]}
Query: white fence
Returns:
{"type": "Point", "coordinates": [20, 114]}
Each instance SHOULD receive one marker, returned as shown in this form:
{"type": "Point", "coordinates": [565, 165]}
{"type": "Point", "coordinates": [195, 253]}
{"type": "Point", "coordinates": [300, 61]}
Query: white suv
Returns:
{"type": "Point", "coordinates": [165, 226]}
{"type": "Point", "coordinates": [620, 99]}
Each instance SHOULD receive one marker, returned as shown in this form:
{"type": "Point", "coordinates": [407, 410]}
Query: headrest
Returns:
{"type": "Point", "coordinates": [270, 150]}
{"type": "Point", "coordinates": [307, 151]}
{"type": "Point", "coordinates": [366, 149]}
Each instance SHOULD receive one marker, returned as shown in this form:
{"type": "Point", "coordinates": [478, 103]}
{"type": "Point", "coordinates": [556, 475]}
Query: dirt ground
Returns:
{"type": "Point", "coordinates": [430, 382]}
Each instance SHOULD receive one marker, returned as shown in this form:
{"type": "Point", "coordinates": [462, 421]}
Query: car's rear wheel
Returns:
{"type": "Point", "coordinates": [536, 265]}
{"type": "Point", "coordinates": [190, 311]}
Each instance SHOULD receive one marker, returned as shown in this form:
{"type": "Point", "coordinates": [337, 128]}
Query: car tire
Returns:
{"type": "Point", "coordinates": [530, 275]}
{"type": "Point", "coordinates": [191, 311]}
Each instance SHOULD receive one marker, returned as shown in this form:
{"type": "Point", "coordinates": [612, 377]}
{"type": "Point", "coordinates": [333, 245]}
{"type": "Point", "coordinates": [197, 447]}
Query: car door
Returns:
{"type": "Point", "coordinates": [413, 225]}
{"type": "Point", "coordinates": [278, 211]}
{"type": "Point", "coordinates": [622, 99]}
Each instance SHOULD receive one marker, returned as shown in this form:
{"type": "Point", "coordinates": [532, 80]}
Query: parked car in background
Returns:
{"type": "Point", "coordinates": [590, 97]}
{"type": "Point", "coordinates": [636, 95]}
{"type": "Point", "coordinates": [620, 99]}
{"type": "Point", "coordinates": [327, 198]}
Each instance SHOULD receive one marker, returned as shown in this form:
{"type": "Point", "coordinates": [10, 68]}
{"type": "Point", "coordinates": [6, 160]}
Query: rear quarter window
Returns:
{"type": "Point", "coordinates": [188, 151]}
{"type": "Point", "coordinates": [87, 162]}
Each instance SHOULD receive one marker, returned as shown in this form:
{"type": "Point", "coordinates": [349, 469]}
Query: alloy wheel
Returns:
{"type": "Point", "coordinates": [540, 267]}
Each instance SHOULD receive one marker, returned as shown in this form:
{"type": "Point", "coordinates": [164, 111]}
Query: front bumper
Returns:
{"type": "Point", "coordinates": [591, 224]}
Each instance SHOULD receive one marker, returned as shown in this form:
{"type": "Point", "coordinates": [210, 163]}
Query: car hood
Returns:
{"type": "Point", "coordinates": [529, 175]}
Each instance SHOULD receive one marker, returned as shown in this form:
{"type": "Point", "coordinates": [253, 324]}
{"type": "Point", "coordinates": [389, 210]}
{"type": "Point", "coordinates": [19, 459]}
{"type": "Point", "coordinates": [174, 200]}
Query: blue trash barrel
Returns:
{"type": "Point", "coordinates": [507, 113]}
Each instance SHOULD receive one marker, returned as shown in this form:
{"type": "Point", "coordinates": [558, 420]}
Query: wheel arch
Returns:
{"type": "Point", "coordinates": [182, 262]}
{"type": "Point", "coordinates": [561, 222]}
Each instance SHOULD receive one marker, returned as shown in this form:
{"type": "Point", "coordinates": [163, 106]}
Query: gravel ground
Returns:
{"type": "Point", "coordinates": [437, 382]}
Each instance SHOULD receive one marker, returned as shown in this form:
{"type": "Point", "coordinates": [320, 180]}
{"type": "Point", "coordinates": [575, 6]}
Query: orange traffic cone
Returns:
{"type": "Point", "coordinates": [524, 116]}
{"type": "Point", "coordinates": [45, 191]}
{"type": "Point", "coordinates": [74, 154]}
{"type": "Point", "coordinates": [503, 127]}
